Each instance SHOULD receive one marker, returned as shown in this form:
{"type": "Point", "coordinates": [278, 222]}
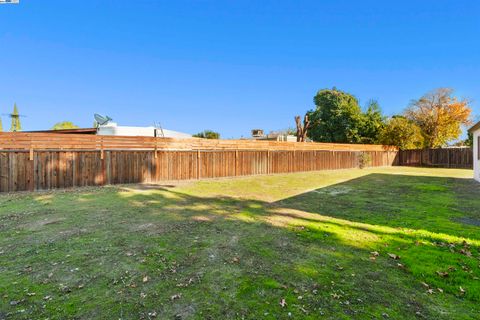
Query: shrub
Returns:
{"type": "Point", "coordinates": [365, 160]}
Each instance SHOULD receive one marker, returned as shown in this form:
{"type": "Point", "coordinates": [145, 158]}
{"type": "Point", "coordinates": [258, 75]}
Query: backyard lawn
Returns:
{"type": "Point", "coordinates": [389, 243]}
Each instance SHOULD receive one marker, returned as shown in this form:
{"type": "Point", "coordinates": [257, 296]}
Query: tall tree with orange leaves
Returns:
{"type": "Point", "coordinates": [440, 116]}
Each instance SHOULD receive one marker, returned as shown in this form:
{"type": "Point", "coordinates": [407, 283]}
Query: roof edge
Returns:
{"type": "Point", "coordinates": [474, 128]}
{"type": "Point", "coordinates": [75, 130]}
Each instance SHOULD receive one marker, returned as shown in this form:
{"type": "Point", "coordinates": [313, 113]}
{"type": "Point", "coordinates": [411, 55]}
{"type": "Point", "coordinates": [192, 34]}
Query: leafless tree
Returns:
{"type": "Point", "coordinates": [302, 129]}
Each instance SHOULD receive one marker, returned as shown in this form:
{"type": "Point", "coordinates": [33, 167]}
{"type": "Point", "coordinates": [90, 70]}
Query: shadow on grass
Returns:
{"type": "Point", "coordinates": [434, 204]}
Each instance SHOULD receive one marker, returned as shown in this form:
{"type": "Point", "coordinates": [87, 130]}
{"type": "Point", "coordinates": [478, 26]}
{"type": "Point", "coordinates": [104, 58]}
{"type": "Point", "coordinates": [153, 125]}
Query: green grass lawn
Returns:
{"type": "Point", "coordinates": [396, 243]}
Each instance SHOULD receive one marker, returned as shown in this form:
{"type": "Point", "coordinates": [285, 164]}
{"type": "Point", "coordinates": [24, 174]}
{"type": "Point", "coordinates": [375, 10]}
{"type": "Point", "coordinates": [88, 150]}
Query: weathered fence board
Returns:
{"type": "Point", "coordinates": [441, 158]}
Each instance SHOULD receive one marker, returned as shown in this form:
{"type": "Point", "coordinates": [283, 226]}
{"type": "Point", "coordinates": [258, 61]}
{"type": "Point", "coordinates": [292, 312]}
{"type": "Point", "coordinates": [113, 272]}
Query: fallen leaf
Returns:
{"type": "Point", "coordinates": [145, 279]}
{"type": "Point", "coordinates": [335, 296]}
{"type": "Point", "coordinates": [462, 291]}
{"type": "Point", "coordinates": [393, 256]}
{"type": "Point", "coordinates": [375, 253]}
{"type": "Point", "coordinates": [283, 303]}
{"type": "Point", "coordinates": [442, 274]}
{"type": "Point", "coordinates": [176, 296]}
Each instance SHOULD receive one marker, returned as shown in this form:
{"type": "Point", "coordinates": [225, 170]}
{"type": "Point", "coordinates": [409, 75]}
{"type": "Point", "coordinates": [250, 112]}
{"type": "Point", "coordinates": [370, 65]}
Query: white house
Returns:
{"type": "Point", "coordinates": [112, 129]}
{"type": "Point", "coordinates": [475, 131]}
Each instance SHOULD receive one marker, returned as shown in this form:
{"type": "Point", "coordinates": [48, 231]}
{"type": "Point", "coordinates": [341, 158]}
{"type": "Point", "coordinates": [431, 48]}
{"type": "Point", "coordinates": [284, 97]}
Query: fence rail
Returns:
{"type": "Point", "coordinates": [441, 158]}
{"type": "Point", "coordinates": [53, 141]}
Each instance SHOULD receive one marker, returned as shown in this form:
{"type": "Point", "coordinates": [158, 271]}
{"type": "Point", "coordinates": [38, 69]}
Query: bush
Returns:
{"type": "Point", "coordinates": [207, 134]}
{"type": "Point", "coordinates": [365, 160]}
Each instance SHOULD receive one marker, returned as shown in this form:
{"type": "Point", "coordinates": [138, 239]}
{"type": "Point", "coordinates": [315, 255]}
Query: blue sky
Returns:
{"type": "Point", "coordinates": [229, 66]}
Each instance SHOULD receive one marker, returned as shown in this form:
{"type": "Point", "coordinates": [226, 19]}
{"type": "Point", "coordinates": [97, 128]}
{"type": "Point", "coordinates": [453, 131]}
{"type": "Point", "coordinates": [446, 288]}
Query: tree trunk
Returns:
{"type": "Point", "coordinates": [302, 130]}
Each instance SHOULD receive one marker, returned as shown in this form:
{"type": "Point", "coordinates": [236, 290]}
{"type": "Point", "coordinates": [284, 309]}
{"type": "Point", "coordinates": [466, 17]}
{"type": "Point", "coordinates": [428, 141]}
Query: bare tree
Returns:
{"type": "Point", "coordinates": [302, 130]}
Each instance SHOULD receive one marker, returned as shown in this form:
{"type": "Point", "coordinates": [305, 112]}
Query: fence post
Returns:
{"type": "Point", "coordinates": [448, 157]}
{"type": "Point", "coordinates": [236, 162]}
{"type": "Point", "coordinates": [294, 161]}
{"type": "Point", "coordinates": [268, 161]}
{"type": "Point", "coordinates": [198, 164]}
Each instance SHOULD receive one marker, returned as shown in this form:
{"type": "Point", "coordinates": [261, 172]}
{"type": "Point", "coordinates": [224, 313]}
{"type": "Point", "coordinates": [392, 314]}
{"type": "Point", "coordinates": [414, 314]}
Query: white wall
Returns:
{"type": "Point", "coordinates": [476, 162]}
{"type": "Point", "coordinates": [112, 129]}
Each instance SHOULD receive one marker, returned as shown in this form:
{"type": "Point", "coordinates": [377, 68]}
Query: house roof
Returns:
{"type": "Point", "coordinates": [78, 130]}
{"type": "Point", "coordinates": [474, 128]}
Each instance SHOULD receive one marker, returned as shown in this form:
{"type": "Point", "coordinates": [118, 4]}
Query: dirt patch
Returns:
{"type": "Point", "coordinates": [149, 228]}
{"type": "Point", "coordinates": [334, 191]}
{"type": "Point", "coordinates": [156, 186]}
{"type": "Point", "coordinates": [39, 224]}
{"type": "Point", "coordinates": [201, 218]}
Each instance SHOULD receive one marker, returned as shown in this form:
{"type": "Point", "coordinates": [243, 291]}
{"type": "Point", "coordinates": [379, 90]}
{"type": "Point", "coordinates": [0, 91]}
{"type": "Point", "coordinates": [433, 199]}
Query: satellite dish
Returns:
{"type": "Point", "coordinates": [101, 120]}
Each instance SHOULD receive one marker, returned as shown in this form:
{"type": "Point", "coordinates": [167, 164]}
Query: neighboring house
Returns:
{"type": "Point", "coordinates": [112, 129]}
{"type": "Point", "coordinates": [475, 131]}
{"type": "Point", "coordinates": [258, 134]}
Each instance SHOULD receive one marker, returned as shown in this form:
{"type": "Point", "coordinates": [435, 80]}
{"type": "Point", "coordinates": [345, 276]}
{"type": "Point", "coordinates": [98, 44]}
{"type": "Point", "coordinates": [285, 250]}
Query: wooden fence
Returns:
{"type": "Point", "coordinates": [64, 169]}
{"type": "Point", "coordinates": [441, 158]}
{"type": "Point", "coordinates": [50, 161]}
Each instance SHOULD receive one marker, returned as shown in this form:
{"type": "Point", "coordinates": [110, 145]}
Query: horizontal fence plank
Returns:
{"type": "Point", "coordinates": [54, 141]}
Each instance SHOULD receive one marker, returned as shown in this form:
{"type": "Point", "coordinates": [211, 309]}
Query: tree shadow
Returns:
{"type": "Point", "coordinates": [434, 204]}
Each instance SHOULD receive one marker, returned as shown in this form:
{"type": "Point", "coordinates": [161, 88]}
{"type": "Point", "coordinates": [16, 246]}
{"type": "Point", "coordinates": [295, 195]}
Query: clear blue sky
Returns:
{"type": "Point", "coordinates": [228, 65]}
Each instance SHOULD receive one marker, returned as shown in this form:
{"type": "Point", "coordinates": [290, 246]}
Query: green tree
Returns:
{"type": "Point", "coordinates": [64, 125]}
{"type": "Point", "coordinates": [208, 134]}
{"type": "Point", "coordinates": [16, 125]}
{"type": "Point", "coordinates": [402, 133]}
{"type": "Point", "coordinates": [373, 122]}
{"type": "Point", "coordinates": [336, 118]}
{"type": "Point", "coordinates": [469, 141]}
